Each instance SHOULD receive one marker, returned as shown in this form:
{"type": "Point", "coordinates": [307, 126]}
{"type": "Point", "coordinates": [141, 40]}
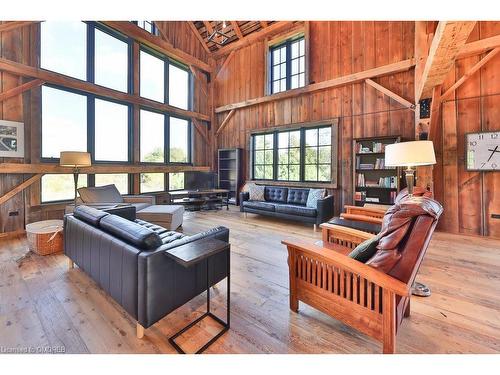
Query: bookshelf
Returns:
{"type": "Point", "coordinates": [230, 172]}
{"type": "Point", "coordinates": [373, 182]}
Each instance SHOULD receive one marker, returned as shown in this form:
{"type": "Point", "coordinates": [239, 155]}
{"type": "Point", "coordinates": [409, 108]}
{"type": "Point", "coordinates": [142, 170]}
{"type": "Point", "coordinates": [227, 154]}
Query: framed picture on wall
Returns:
{"type": "Point", "coordinates": [11, 139]}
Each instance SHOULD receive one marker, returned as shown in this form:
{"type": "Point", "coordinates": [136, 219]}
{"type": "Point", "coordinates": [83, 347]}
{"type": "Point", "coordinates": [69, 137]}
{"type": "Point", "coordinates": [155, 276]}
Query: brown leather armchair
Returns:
{"type": "Point", "coordinates": [372, 297]}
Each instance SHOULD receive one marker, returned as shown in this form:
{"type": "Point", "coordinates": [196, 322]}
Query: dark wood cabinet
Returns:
{"type": "Point", "coordinates": [229, 172]}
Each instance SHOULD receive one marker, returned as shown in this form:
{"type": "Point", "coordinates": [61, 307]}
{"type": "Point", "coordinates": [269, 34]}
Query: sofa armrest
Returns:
{"type": "Point", "coordinates": [164, 285]}
{"type": "Point", "coordinates": [139, 199]}
{"type": "Point", "coordinates": [325, 209]}
{"type": "Point", "coordinates": [244, 196]}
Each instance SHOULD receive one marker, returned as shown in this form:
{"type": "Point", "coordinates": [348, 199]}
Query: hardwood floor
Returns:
{"type": "Point", "coordinates": [44, 304]}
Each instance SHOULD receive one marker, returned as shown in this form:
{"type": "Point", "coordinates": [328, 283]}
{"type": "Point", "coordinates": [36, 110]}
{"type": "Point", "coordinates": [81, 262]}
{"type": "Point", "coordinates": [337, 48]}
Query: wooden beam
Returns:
{"type": "Point", "coordinates": [470, 72]}
{"type": "Point", "coordinates": [157, 43]}
{"type": "Point", "coordinates": [224, 64]}
{"type": "Point", "coordinates": [479, 46]}
{"type": "Point", "coordinates": [275, 28]}
{"type": "Point", "coordinates": [197, 77]}
{"type": "Point", "coordinates": [390, 94]}
{"type": "Point", "coordinates": [210, 30]}
{"type": "Point", "coordinates": [336, 82]}
{"type": "Point", "coordinates": [8, 26]}
{"type": "Point", "coordinates": [52, 168]}
{"type": "Point", "coordinates": [434, 126]}
{"type": "Point", "coordinates": [225, 121]}
{"type": "Point", "coordinates": [263, 24]}
{"type": "Point", "coordinates": [236, 29]}
{"type": "Point", "coordinates": [198, 36]}
{"type": "Point", "coordinates": [162, 32]}
{"type": "Point", "coordinates": [449, 38]}
{"type": "Point", "coordinates": [30, 181]}
{"type": "Point", "coordinates": [60, 79]}
{"type": "Point", "coordinates": [198, 127]}
{"type": "Point", "coordinates": [20, 89]}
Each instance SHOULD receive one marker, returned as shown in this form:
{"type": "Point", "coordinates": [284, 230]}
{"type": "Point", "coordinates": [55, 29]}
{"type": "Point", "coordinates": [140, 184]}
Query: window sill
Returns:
{"type": "Point", "coordinates": [326, 185]}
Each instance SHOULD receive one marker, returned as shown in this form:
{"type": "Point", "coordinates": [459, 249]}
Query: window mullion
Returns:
{"type": "Point", "coordinates": [90, 53]}
{"type": "Point", "coordinates": [166, 133]}
{"type": "Point", "coordinates": [302, 154]}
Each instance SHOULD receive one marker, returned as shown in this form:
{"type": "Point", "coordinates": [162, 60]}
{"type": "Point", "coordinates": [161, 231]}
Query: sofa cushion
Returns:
{"type": "Point", "coordinates": [100, 194]}
{"type": "Point", "coordinates": [275, 194]}
{"type": "Point", "coordinates": [131, 232]}
{"type": "Point", "coordinates": [264, 206]}
{"type": "Point", "coordinates": [365, 250]}
{"type": "Point", "coordinates": [314, 196]}
{"type": "Point", "coordinates": [298, 196]}
{"type": "Point", "coordinates": [292, 209]}
{"type": "Point", "coordinates": [256, 192]}
{"type": "Point", "coordinates": [89, 215]}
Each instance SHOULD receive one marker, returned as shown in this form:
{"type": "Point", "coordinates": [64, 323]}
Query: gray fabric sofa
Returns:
{"type": "Point", "coordinates": [167, 216]}
{"type": "Point", "coordinates": [288, 203]}
{"type": "Point", "coordinates": [126, 258]}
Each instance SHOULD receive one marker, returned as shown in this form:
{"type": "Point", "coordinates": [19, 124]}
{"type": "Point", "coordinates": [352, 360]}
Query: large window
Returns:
{"type": "Point", "coordinates": [111, 61]}
{"type": "Point", "coordinates": [288, 65]}
{"type": "Point", "coordinates": [64, 122]}
{"type": "Point", "coordinates": [176, 181]}
{"type": "Point", "coordinates": [111, 123]}
{"type": "Point", "coordinates": [179, 140]}
{"type": "Point", "coordinates": [318, 154]}
{"type": "Point", "coordinates": [152, 77]}
{"type": "Point", "coordinates": [120, 180]}
{"type": "Point", "coordinates": [303, 154]}
{"type": "Point", "coordinates": [58, 187]}
{"type": "Point", "coordinates": [152, 137]}
{"type": "Point", "coordinates": [152, 182]}
{"type": "Point", "coordinates": [63, 47]}
{"type": "Point", "coordinates": [289, 155]}
{"type": "Point", "coordinates": [263, 156]}
{"type": "Point", "coordinates": [178, 86]}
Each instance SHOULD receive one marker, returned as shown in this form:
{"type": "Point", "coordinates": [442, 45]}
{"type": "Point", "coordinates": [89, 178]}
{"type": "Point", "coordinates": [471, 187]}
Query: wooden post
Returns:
{"type": "Point", "coordinates": [294, 302]}
{"type": "Point", "coordinates": [407, 309]}
{"type": "Point", "coordinates": [389, 322]}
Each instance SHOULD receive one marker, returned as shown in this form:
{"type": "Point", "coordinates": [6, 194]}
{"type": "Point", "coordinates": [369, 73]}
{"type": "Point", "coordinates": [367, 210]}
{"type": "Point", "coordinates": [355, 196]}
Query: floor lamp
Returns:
{"type": "Point", "coordinates": [75, 160]}
{"type": "Point", "coordinates": [410, 155]}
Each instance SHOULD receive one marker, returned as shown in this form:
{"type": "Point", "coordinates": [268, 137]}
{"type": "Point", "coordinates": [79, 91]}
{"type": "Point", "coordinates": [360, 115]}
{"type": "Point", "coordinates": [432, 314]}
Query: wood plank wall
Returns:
{"type": "Point", "coordinates": [336, 49]}
{"type": "Point", "coordinates": [469, 198]}
{"type": "Point", "coordinates": [21, 45]}
{"type": "Point", "coordinates": [14, 45]}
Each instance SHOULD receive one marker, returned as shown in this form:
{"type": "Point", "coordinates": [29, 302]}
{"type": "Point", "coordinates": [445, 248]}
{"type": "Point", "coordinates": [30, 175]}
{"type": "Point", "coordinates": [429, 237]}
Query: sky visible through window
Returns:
{"type": "Point", "coordinates": [111, 61]}
{"type": "Point", "coordinates": [111, 123]}
{"type": "Point", "coordinates": [64, 48]}
{"type": "Point", "coordinates": [64, 122]}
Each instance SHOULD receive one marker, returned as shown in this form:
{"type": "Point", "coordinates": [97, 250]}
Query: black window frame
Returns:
{"type": "Point", "coordinates": [303, 146]}
{"type": "Point", "coordinates": [154, 28]}
{"type": "Point", "coordinates": [288, 63]}
{"type": "Point", "coordinates": [301, 156]}
{"type": "Point", "coordinates": [264, 149]}
{"type": "Point", "coordinates": [317, 164]}
{"type": "Point", "coordinates": [166, 74]}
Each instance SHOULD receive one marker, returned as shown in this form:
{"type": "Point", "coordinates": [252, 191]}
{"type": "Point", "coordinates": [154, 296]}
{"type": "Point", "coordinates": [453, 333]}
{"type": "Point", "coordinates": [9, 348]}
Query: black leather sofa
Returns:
{"type": "Point", "coordinates": [126, 257]}
{"type": "Point", "coordinates": [288, 203]}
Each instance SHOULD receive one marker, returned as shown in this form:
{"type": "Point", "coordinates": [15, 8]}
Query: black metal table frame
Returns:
{"type": "Point", "coordinates": [225, 325]}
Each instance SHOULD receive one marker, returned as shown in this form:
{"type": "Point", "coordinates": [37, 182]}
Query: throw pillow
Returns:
{"type": "Point", "coordinates": [256, 192]}
{"type": "Point", "coordinates": [365, 250]}
{"type": "Point", "coordinates": [314, 196]}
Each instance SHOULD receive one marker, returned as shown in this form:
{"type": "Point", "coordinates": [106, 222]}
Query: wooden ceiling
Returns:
{"type": "Point", "coordinates": [234, 30]}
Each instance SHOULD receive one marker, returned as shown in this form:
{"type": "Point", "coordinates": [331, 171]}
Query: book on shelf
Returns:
{"type": "Point", "coordinates": [372, 199]}
{"type": "Point", "coordinates": [383, 182]}
{"type": "Point", "coordinates": [392, 196]}
{"type": "Point", "coordinates": [377, 147]}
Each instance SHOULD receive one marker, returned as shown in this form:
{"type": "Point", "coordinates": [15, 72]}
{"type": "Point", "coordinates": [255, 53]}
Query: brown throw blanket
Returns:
{"type": "Point", "coordinates": [396, 223]}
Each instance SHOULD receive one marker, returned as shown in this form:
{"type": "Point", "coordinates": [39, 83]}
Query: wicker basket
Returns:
{"type": "Point", "coordinates": [45, 237]}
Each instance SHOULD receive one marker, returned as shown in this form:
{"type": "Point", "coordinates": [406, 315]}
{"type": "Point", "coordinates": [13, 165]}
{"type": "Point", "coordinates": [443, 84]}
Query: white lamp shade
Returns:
{"type": "Point", "coordinates": [410, 154]}
{"type": "Point", "coordinates": [74, 159]}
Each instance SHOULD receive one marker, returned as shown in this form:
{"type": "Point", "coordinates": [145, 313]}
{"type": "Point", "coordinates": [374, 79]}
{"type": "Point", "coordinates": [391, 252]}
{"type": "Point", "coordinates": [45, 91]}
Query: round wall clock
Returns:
{"type": "Point", "coordinates": [482, 151]}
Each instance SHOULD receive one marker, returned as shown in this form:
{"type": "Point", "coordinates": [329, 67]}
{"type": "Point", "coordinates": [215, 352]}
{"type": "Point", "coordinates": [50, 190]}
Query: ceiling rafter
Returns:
{"type": "Point", "coordinates": [237, 29]}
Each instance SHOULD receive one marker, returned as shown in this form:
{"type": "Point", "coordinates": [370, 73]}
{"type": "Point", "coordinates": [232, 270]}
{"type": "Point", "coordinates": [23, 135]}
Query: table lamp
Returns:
{"type": "Point", "coordinates": [410, 155]}
{"type": "Point", "coordinates": [75, 160]}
